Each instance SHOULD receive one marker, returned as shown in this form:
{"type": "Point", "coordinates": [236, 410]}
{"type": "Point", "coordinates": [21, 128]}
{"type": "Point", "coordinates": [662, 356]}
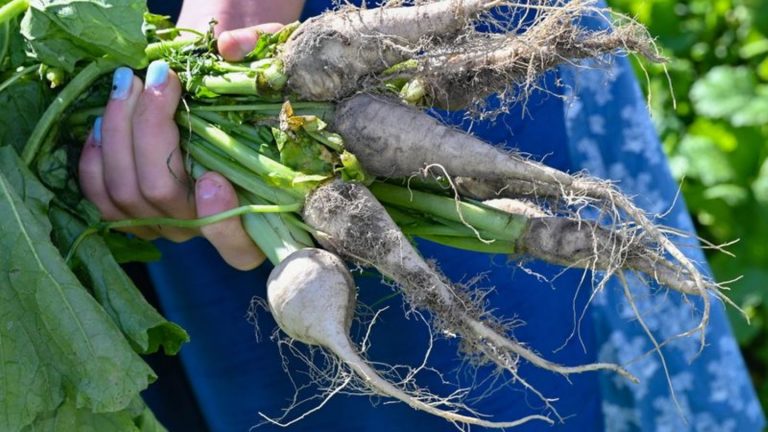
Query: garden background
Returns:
{"type": "Point", "coordinates": [717, 140]}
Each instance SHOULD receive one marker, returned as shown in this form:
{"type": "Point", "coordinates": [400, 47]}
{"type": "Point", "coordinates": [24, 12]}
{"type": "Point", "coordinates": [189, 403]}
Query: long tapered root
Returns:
{"type": "Point", "coordinates": [382, 386]}
{"type": "Point", "coordinates": [393, 140]}
{"type": "Point", "coordinates": [352, 223]}
{"type": "Point", "coordinates": [643, 247]}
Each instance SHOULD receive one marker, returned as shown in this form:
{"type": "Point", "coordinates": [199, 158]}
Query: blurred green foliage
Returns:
{"type": "Point", "coordinates": [717, 140]}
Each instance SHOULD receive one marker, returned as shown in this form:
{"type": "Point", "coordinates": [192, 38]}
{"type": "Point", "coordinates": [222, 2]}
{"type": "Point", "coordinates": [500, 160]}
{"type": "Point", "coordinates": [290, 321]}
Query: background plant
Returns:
{"type": "Point", "coordinates": [717, 140]}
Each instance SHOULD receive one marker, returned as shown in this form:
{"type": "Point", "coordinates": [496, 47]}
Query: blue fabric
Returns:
{"type": "Point", "coordinates": [599, 123]}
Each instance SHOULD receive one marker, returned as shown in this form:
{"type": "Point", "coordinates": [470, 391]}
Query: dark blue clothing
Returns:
{"type": "Point", "coordinates": [598, 122]}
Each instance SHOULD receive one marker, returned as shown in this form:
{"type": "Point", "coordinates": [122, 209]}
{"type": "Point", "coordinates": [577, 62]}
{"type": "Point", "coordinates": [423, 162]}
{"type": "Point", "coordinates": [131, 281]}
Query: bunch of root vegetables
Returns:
{"type": "Point", "coordinates": [324, 131]}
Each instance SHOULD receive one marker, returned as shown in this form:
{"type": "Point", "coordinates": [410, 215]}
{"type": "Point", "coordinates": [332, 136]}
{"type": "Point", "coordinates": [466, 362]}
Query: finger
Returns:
{"type": "Point", "coordinates": [91, 173]}
{"type": "Point", "coordinates": [162, 179]}
{"type": "Point", "coordinates": [117, 146]}
{"type": "Point", "coordinates": [234, 45]}
{"type": "Point", "coordinates": [215, 195]}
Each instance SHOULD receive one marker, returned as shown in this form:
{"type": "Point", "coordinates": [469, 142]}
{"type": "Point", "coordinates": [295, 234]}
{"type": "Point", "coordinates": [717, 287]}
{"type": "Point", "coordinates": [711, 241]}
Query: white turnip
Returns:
{"type": "Point", "coordinates": [312, 297]}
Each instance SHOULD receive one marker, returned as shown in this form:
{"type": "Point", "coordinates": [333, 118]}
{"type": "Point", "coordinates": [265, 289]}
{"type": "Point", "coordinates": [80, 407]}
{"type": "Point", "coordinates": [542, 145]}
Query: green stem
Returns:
{"type": "Point", "coordinates": [259, 164]}
{"type": "Point", "coordinates": [273, 234]}
{"type": "Point", "coordinates": [17, 76]}
{"type": "Point", "coordinates": [197, 223]}
{"type": "Point", "coordinates": [63, 100]}
{"type": "Point", "coordinates": [158, 50]}
{"type": "Point", "coordinates": [495, 222]}
{"type": "Point", "coordinates": [241, 129]}
{"type": "Point", "coordinates": [13, 9]}
{"type": "Point", "coordinates": [473, 244]}
{"type": "Point", "coordinates": [232, 67]}
{"type": "Point", "coordinates": [422, 230]}
{"type": "Point", "coordinates": [234, 83]}
{"type": "Point", "coordinates": [180, 223]}
{"type": "Point", "coordinates": [267, 108]}
{"type": "Point", "coordinates": [200, 151]}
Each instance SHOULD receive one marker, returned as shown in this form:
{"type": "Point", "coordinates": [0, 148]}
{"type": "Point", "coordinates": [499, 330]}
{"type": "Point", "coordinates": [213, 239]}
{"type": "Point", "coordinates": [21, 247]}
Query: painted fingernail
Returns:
{"type": "Point", "coordinates": [121, 83]}
{"type": "Point", "coordinates": [96, 133]}
{"type": "Point", "coordinates": [157, 74]}
{"type": "Point", "coordinates": [207, 188]}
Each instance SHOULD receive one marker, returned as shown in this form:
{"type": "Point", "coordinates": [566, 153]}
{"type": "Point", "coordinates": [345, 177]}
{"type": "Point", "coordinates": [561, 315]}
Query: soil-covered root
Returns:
{"type": "Point", "coordinates": [312, 295]}
{"type": "Point", "coordinates": [482, 64]}
{"type": "Point", "coordinates": [351, 222]}
{"type": "Point", "coordinates": [583, 244]}
{"type": "Point", "coordinates": [327, 55]}
{"type": "Point", "coordinates": [393, 140]}
{"type": "Point", "coordinates": [341, 52]}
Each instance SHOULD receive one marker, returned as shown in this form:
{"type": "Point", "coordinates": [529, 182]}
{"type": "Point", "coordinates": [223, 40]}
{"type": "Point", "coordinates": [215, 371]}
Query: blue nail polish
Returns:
{"type": "Point", "coordinates": [96, 133]}
{"type": "Point", "coordinates": [121, 83]}
{"type": "Point", "coordinates": [157, 74]}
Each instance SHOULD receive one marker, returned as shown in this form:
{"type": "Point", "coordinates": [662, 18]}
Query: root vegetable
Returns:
{"type": "Point", "coordinates": [326, 57]}
{"type": "Point", "coordinates": [351, 222]}
{"type": "Point", "coordinates": [312, 297]}
{"type": "Point", "coordinates": [464, 74]}
{"type": "Point", "coordinates": [393, 140]}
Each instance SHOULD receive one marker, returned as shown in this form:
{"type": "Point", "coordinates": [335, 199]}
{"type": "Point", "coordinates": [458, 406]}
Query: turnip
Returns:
{"type": "Point", "coordinates": [311, 295]}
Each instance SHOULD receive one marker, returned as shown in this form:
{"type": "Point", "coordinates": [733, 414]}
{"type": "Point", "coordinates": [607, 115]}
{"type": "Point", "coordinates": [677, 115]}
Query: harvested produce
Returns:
{"type": "Point", "coordinates": [323, 131]}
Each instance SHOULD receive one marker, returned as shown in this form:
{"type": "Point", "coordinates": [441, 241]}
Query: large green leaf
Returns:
{"type": "Point", "coordinates": [114, 290]}
{"type": "Point", "coordinates": [66, 418]}
{"type": "Point", "coordinates": [56, 341]}
{"type": "Point", "coordinates": [63, 32]}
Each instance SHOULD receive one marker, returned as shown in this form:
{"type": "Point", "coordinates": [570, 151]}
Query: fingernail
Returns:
{"type": "Point", "coordinates": [96, 132]}
{"type": "Point", "coordinates": [157, 74]}
{"type": "Point", "coordinates": [121, 83]}
{"type": "Point", "coordinates": [207, 188]}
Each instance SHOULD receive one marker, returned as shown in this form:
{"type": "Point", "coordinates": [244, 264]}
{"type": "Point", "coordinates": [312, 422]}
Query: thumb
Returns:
{"type": "Point", "coordinates": [214, 194]}
{"type": "Point", "coordinates": [234, 45]}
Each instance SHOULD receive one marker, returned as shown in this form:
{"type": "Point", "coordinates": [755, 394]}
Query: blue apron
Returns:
{"type": "Point", "coordinates": [598, 122]}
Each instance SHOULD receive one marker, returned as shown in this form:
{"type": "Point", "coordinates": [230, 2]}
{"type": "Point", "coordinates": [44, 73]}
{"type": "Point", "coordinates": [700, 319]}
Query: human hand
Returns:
{"type": "Point", "coordinates": [132, 167]}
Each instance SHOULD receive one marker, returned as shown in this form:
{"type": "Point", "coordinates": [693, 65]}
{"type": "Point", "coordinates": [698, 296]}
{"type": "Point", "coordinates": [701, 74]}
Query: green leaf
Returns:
{"type": "Point", "coordinates": [113, 289]}
{"type": "Point", "coordinates": [35, 196]}
{"type": "Point", "coordinates": [731, 93]}
{"type": "Point", "coordinates": [154, 22]}
{"type": "Point", "coordinates": [53, 169]}
{"type": "Point", "coordinates": [146, 329]}
{"type": "Point", "coordinates": [700, 157]}
{"type": "Point", "coordinates": [63, 32]}
{"type": "Point", "coordinates": [55, 340]}
{"type": "Point", "coordinates": [68, 417]}
{"type": "Point", "coordinates": [23, 104]}
{"type": "Point", "coordinates": [12, 54]}
{"type": "Point", "coordinates": [130, 249]}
